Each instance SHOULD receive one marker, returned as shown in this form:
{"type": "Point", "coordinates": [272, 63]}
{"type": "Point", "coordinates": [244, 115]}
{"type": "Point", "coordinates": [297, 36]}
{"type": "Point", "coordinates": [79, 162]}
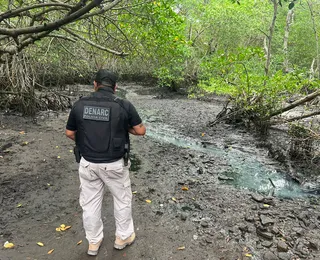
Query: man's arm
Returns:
{"type": "Point", "coordinates": [138, 130]}
{"type": "Point", "coordinates": [71, 134]}
{"type": "Point", "coordinates": [71, 127]}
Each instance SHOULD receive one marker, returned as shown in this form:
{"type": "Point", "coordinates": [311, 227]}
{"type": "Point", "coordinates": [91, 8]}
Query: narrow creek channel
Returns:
{"type": "Point", "coordinates": [247, 171]}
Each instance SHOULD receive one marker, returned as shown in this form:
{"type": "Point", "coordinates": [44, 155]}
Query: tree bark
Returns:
{"type": "Point", "coordinates": [296, 103]}
{"type": "Point", "coordinates": [286, 39]}
{"type": "Point", "coordinates": [269, 38]}
{"type": "Point", "coordinates": [296, 118]}
{"type": "Point", "coordinates": [51, 26]}
{"type": "Point", "coordinates": [314, 27]}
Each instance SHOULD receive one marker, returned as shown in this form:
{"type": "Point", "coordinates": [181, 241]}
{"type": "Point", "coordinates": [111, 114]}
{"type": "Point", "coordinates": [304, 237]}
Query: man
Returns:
{"type": "Point", "coordinates": [100, 124]}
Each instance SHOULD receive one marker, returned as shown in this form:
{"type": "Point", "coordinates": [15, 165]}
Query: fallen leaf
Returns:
{"type": "Point", "coordinates": [181, 248]}
{"type": "Point", "coordinates": [134, 192]}
{"type": "Point", "coordinates": [70, 151]}
{"type": "Point", "coordinates": [266, 205]}
{"type": "Point", "coordinates": [40, 244]}
{"type": "Point", "coordinates": [57, 146]}
{"type": "Point", "coordinates": [62, 227]}
{"type": "Point", "coordinates": [79, 243]}
{"type": "Point", "coordinates": [50, 252]}
{"type": "Point", "coordinates": [22, 132]}
{"type": "Point", "coordinates": [58, 156]}
{"type": "Point", "coordinates": [67, 227]}
{"type": "Point", "coordinates": [19, 205]}
{"type": "Point", "coordinates": [185, 188]}
{"type": "Point", "coordinates": [174, 199]}
{"type": "Point", "coordinates": [202, 134]}
{"type": "Point", "coordinates": [248, 255]}
{"type": "Point", "coordinates": [148, 201]}
{"type": "Point", "coordinates": [8, 245]}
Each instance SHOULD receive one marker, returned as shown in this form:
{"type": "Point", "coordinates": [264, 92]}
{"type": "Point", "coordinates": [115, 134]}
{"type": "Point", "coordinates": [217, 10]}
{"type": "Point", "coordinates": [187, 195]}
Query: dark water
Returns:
{"type": "Point", "coordinates": [247, 170]}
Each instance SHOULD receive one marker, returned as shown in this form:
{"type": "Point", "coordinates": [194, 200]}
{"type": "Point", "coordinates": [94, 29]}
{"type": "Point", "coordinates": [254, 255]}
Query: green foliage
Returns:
{"type": "Point", "coordinates": [241, 75]}
{"type": "Point", "coordinates": [235, 72]}
{"type": "Point", "coordinates": [159, 40]}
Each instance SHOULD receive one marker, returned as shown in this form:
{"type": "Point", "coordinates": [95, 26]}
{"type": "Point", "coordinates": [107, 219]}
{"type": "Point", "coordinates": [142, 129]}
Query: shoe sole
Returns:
{"type": "Point", "coordinates": [118, 247]}
{"type": "Point", "coordinates": [90, 252]}
{"type": "Point", "coordinates": [95, 252]}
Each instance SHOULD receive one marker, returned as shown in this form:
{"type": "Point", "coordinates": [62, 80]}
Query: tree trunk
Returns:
{"type": "Point", "coordinates": [296, 103]}
{"type": "Point", "coordinates": [285, 40]}
{"type": "Point", "coordinates": [314, 27]}
{"type": "Point", "coordinates": [269, 38]}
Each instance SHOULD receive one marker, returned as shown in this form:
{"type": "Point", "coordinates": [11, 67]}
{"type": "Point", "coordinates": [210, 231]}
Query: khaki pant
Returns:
{"type": "Point", "coordinates": [93, 178]}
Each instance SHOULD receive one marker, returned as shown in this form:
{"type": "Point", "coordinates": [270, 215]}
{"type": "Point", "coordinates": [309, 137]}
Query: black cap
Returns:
{"type": "Point", "coordinates": [106, 77]}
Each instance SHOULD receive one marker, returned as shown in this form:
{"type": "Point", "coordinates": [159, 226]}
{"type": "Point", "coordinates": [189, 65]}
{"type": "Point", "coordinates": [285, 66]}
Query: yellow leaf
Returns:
{"type": "Point", "coordinates": [58, 229]}
{"type": "Point", "coordinates": [181, 248]}
{"type": "Point", "coordinates": [8, 245]}
{"type": "Point", "coordinates": [134, 192]}
{"type": "Point", "coordinates": [185, 188]}
{"type": "Point", "coordinates": [79, 243]}
{"type": "Point", "coordinates": [67, 227]}
{"type": "Point", "coordinates": [248, 255]}
{"type": "Point", "coordinates": [40, 244]}
{"type": "Point", "coordinates": [266, 205]}
{"type": "Point", "coordinates": [202, 134]}
{"type": "Point", "coordinates": [50, 252]}
{"type": "Point", "coordinates": [19, 205]}
{"type": "Point", "coordinates": [70, 151]}
{"type": "Point", "coordinates": [62, 225]}
{"type": "Point", "coordinates": [174, 199]}
{"type": "Point", "coordinates": [57, 146]}
{"type": "Point", "coordinates": [22, 133]}
{"type": "Point", "coordinates": [148, 201]}
{"type": "Point", "coordinates": [58, 156]}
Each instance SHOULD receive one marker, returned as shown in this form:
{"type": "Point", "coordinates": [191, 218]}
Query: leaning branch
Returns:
{"type": "Point", "coordinates": [32, 39]}
{"type": "Point", "coordinates": [102, 10]}
{"type": "Point", "coordinates": [18, 11]}
{"type": "Point", "coordinates": [292, 119]}
{"type": "Point", "coordinates": [94, 44]}
{"type": "Point", "coordinates": [54, 25]}
{"type": "Point", "coordinates": [296, 103]}
{"type": "Point", "coordinates": [63, 37]}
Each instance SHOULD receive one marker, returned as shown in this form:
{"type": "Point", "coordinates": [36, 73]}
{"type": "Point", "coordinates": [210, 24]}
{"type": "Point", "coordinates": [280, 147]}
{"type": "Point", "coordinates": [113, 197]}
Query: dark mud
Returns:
{"type": "Point", "coordinates": [211, 220]}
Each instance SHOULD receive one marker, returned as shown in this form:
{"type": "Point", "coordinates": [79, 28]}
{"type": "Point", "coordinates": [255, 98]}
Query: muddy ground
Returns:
{"type": "Point", "coordinates": [39, 190]}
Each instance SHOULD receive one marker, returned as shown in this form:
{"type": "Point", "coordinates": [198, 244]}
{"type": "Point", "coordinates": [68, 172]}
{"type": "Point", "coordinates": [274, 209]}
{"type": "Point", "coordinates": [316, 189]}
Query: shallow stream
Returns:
{"type": "Point", "coordinates": [247, 170]}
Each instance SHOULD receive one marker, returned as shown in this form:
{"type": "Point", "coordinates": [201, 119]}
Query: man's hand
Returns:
{"type": "Point", "coordinates": [138, 130]}
{"type": "Point", "coordinates": [71, 134]}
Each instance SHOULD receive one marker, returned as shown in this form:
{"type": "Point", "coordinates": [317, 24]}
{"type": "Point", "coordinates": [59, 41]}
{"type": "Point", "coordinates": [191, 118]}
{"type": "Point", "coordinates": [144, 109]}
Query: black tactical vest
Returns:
{"type": "Point", "coordinates": [102, 123]}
